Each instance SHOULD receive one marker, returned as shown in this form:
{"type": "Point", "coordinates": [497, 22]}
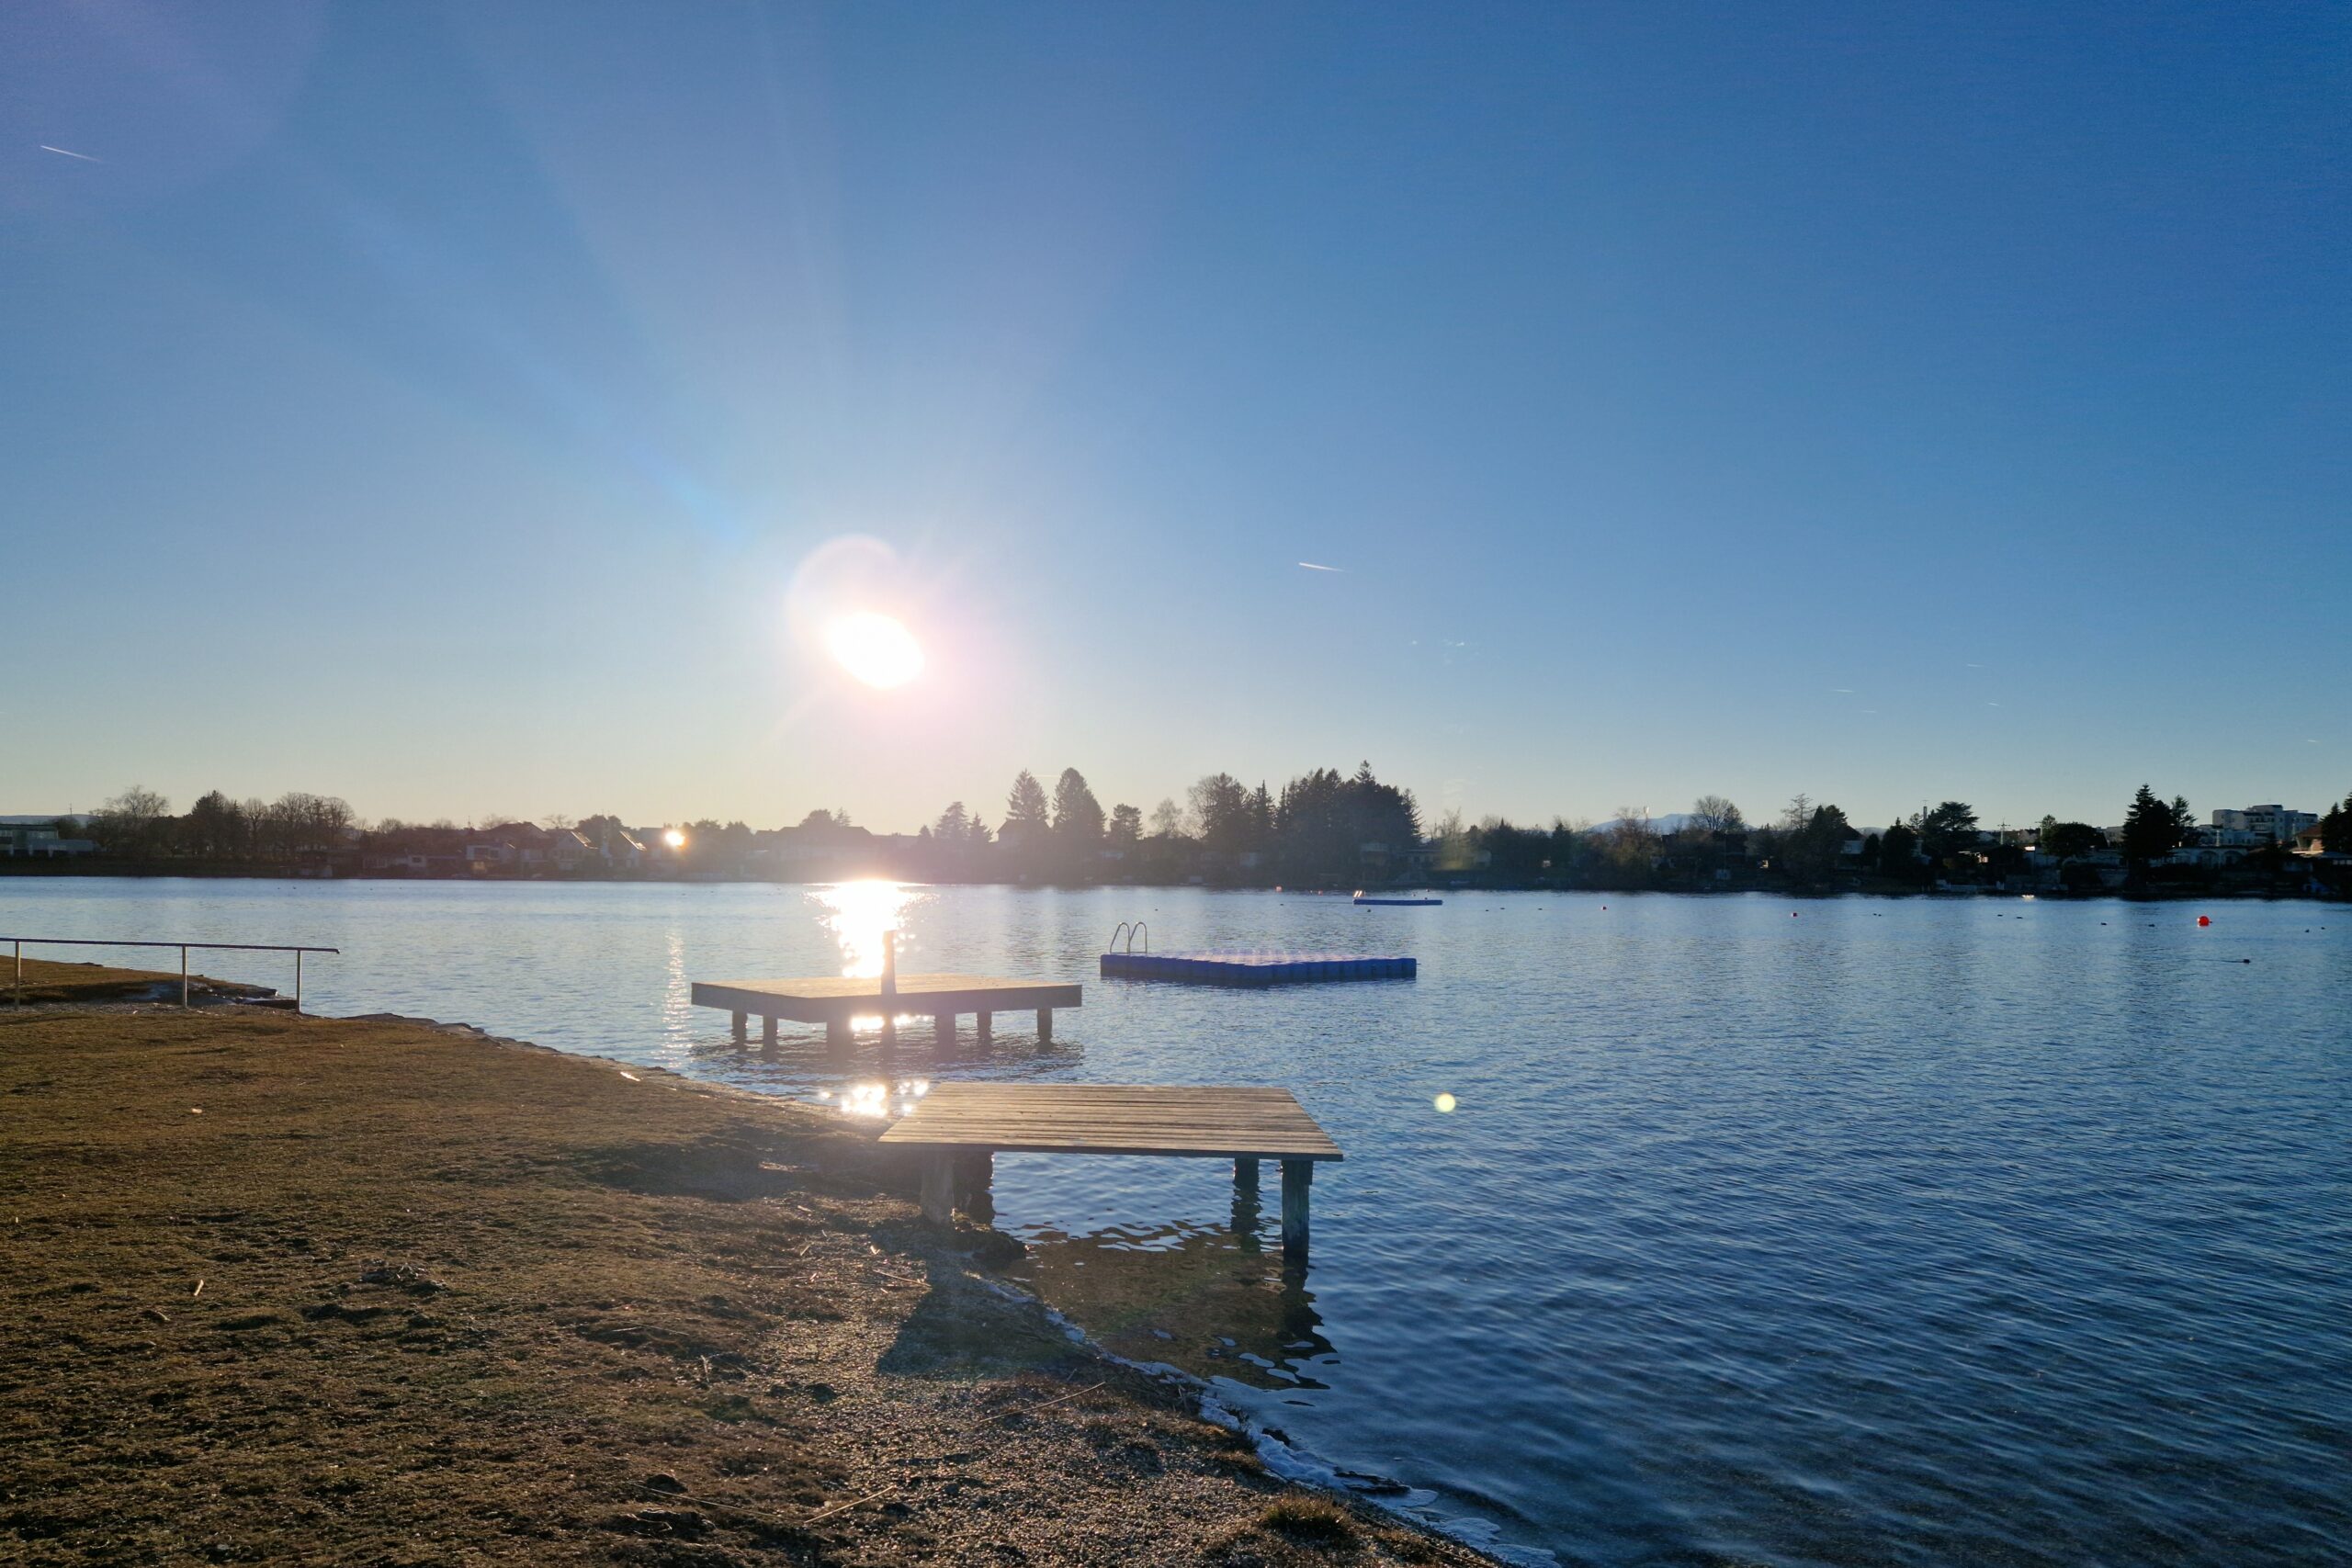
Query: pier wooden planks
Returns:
{"type": "Point", "coordinates": [1115, 1119]}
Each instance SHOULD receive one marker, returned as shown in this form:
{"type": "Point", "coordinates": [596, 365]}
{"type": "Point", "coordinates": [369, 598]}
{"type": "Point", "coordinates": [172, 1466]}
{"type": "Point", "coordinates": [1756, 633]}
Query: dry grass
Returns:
{"type": "Point", "coordinates": [284, 1289]}
{"type": "Point", "coordinates": [1302, 1516]}
{"type": "Point", "coordinates": [46, 980]}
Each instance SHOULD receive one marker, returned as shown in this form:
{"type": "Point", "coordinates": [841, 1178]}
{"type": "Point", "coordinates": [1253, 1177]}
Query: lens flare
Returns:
{"type": "Point", "coordinates": [875, 649]}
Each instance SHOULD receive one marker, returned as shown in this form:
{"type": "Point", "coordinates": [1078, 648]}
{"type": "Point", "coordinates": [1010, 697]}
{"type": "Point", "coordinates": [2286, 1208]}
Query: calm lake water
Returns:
{"type": "Point", "coordinates": [1922, 1232]}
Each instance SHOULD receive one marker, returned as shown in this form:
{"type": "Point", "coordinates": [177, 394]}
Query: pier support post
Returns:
{"type": "Point", "coordinates": [837, 1035]}
{"type": "Point", "coordinates": [1246, 1211]}
{"type": "Point", "coordinates": [767, 1029]}
{"type": "Point", "coordinates": [987, 1030]}
{"type": "Point", "coordinates": [740, 1019]}
{"type": "Point", "coordinates": [944, 1033]}
{"type": "Point", "coordinates": [1045, 1026]}
{"type": "Point", "coordinates": [976, 1183]}
{"type": "Point", "coordinates": [938, 1187]}
{"type": "Point", "coordinates": [1298, 1177]}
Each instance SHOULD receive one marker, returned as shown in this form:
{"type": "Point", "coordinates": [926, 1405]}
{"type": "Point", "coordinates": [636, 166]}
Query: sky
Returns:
{"type": "Point", "coordinates": [484, 411]}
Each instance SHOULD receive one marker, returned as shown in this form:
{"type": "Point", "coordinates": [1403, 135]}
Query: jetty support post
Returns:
{"type": "Point", "coordinates": [1245, 1174]}
{"type": "Point", "coordinates": [987, 1030]}
{"type": "Point", "coordinates": [767, 1029]}
{"type": "Point", "coordinates": [837, 1035]}
{"type": "Point", "coordinates": [1298, 1177]}
{"type": "Point", "coordinates": [1045, 1026]}
{"type": "Point", "coordinates": [938, 1186]}
{"type": "Point", "coordinates": [943, 1027]}
{"type": "Point", "coordinates": [740, 1019]}
{"type": "Point", "coordinates": [976, 1183]}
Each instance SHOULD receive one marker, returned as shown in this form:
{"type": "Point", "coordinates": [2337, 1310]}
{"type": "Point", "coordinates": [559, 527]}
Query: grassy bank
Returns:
{"type": "Point", "coordinates": [47, 981]}
{"type": "Point", "coordinates": [287, 1289]}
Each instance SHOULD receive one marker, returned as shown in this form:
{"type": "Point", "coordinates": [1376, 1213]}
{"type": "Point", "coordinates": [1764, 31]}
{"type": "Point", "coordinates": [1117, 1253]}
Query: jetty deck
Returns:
{"type": "Point", "coordinates": [834, 999]}
{"type": "Point", "coordinates": [964, 1126]}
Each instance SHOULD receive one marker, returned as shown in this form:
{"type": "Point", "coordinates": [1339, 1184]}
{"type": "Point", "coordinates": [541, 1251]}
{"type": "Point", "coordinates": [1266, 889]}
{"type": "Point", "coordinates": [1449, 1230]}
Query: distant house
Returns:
{"type": "Point", "coordinates": [825, 849]}
{"type": "Point", "coordinates": [396, 862]}
{"type": "Point", "coordinates": [511, 849]}
{"type": "Point", "coordinates": [568, 850]}
{"type": "Point", "coordinates": [41, 838]}
{"type": "Point", "coordinates": [2273, 824]}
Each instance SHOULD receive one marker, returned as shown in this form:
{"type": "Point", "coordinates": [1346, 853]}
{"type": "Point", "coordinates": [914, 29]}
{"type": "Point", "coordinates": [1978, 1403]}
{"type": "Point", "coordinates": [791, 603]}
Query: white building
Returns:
{"type": "Point", "coordinates": [36, 837]}
{"type": "Point", "coordinates": [2271, 824]}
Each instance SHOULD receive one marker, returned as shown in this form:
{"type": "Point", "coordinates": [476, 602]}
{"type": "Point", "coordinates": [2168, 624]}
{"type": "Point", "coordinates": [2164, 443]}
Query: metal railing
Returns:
{"type": "Point", "coordinates": [183, 946]}
{"type": "Point", "coordinates": [1132, 930]}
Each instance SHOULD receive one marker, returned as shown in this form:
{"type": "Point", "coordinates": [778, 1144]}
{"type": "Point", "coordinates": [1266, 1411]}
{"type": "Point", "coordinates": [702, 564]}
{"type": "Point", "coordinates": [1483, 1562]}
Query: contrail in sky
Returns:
{"type": "Point", "coordinates": [69, 152]}
{"type": "Point", "coordinates": [1312, 566]}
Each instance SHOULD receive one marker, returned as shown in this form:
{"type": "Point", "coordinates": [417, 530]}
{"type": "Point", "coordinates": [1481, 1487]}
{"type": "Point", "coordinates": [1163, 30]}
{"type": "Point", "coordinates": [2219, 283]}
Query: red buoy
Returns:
{"type": "Point", "coordinates": [2204, 919]}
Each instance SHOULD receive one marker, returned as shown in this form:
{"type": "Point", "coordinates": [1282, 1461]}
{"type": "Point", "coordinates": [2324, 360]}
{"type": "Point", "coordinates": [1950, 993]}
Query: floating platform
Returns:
{"type": "Point", "coordinates": [1414, 903]}
{"type": "Point", "coordinates": [1256, 968]}
{"type": "Point", "coordinates": [960, 1128]}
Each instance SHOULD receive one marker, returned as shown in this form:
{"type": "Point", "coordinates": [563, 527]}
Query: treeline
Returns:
{"type": "Point", "coordinates": [139, 825]}
{"type": "Point", "coordinates": [1325, 827]}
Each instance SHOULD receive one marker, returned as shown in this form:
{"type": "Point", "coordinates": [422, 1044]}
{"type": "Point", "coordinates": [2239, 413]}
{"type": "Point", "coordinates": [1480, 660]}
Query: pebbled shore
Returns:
{"type": "Point", "coordinates": [276, 1288]}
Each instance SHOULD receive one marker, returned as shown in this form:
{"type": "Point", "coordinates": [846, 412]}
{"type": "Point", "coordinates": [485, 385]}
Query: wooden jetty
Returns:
{"type": "Point", "coordinates": [962, 1126]}
{"type": "Point", "coordinates": [833, 1000]}
{"type": "Point", "coordinates": [1400, 903]}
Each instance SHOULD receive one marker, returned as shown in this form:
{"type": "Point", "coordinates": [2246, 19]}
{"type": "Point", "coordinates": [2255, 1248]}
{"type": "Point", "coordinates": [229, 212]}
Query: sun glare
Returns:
{"type": "Point", "coordinates": [674, 838]}
{"type": "Point", "coordinates": [875, 649]}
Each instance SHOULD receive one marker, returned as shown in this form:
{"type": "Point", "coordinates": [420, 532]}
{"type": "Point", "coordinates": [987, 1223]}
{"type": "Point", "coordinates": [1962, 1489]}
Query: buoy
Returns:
{"type": "Point", "coordinates": [2204, 919]}
{"type": "Point", "coordinates": [2245, 960]}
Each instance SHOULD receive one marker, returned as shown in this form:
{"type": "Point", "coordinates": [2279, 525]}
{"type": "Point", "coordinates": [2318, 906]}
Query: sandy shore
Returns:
{"type": "Point", "coordinates": [288, 1289]}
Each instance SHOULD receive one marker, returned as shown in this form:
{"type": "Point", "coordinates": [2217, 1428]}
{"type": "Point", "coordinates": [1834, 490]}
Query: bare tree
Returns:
{"type": "Point", "coordinates": [1798, 815]}
{"type": "Point", "coordinates": [1717, 814]}
{"type": "Point", "coordinates": [127, 824]}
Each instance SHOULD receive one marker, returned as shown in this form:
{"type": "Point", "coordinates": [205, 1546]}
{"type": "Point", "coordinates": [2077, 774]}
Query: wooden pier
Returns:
{"type": "Point", "coordinates": [962, 1126]}
{"type": "Point", "coordinates": [833, 1000]}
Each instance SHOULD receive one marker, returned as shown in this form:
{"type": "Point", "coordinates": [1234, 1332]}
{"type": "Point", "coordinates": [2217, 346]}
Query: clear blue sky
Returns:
{"type": "Point", "coordinates": [434, 407]}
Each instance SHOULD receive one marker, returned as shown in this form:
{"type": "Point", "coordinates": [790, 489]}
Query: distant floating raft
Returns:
{"type": "Point", "coordinates": [1401, 902]}
{"type": "Point", "coordinates": [1256, 968]}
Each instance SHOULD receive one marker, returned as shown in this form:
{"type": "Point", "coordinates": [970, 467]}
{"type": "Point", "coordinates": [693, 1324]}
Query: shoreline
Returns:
{"type": "Point", "coordinates": [1282, 1456]}
{"type": "Point", "coordinates": [275, 1127]}
{"type": "Point", "coordinates": [66, 871]}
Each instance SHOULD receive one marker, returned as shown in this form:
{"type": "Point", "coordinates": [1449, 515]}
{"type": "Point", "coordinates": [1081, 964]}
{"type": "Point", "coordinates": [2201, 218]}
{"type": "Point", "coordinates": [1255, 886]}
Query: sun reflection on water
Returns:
{"type": "Point", "coordinates": [877, 1099]}
{"type": "Point", "coordinates": [859, 914]}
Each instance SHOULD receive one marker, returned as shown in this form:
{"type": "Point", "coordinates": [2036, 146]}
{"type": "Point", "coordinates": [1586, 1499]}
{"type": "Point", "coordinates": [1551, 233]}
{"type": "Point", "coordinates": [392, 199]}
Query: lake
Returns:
{"type": "Point", "coordinates": [1760, 1231]}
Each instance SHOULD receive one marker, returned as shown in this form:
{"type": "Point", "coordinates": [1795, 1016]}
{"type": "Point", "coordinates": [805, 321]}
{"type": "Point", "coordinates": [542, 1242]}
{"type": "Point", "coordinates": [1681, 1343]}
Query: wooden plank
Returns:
{"type": "Point", "coordinates": [1224, 1122]}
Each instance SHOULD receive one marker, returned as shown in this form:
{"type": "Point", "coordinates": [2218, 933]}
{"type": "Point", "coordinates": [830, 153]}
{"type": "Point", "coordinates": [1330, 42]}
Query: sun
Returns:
{"type": "Point", "coordinates": [875, 649]}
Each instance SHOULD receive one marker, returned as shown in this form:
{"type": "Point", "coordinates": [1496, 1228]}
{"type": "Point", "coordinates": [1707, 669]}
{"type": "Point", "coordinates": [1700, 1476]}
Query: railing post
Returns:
{"type": "Point", "coordinates": [20, 971]}
{"type": "Point", "coordinates": [183, 973]}
{"type": "Point", "coordinates": [298, 979]}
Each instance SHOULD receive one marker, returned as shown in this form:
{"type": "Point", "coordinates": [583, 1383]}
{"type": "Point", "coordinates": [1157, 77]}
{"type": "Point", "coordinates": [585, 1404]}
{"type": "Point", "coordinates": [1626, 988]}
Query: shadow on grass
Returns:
{"type": "Point", "coordinates": [722, 1171]}
{"type": "Point", "coordinates": [960, 1331]}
